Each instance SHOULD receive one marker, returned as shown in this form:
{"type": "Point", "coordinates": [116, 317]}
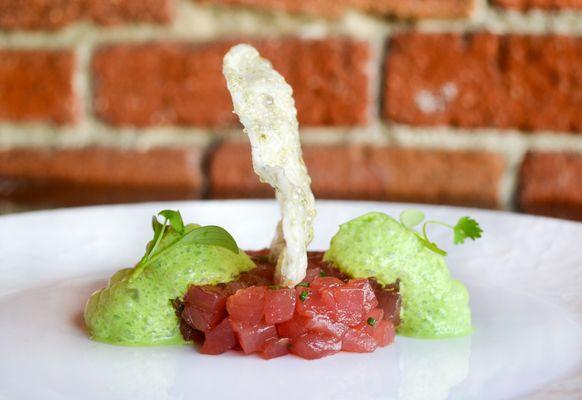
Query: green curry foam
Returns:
{"type": "Point", "coordinates": [135, 308]}
{"type": "Point", "coordinates": [375, 245]}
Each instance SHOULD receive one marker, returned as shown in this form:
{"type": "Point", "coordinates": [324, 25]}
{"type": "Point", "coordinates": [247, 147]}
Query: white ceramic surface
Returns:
{"type": "Point", "coordinates": [524, 276]}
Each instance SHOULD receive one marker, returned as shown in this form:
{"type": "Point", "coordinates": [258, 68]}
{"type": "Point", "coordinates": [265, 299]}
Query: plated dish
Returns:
{"type": "Point", "coordinates": [524, 299]}
{"type": "Point", "coordinates": [379, 275]}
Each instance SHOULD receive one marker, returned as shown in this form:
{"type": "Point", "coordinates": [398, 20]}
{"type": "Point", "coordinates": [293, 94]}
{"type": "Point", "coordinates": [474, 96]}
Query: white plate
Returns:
{"type": "Point", "coordinates": [524, 276]}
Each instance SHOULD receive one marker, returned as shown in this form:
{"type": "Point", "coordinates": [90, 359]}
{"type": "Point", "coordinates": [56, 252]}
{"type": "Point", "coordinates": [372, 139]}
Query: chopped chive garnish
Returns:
{"type": "Point", "coordinates": [303, 284]}
{"type": "Point", "coordinates": [371, 321]}
{"type": "Point", "coordinates": [303, 295]}
{"type": "Point", "coordinates": [322, 274]}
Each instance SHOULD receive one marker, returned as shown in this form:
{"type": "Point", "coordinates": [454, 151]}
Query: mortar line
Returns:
{"type": "Point", "coordinates": [445, 137]}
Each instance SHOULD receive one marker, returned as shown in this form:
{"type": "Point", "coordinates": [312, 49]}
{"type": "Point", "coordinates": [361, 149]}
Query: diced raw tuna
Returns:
{"type": "Point", "coordinates": [207, 298]}
{"type": "Point", "coordinates": [370, 334]}
{"type": "Point", "coordinates": [219, 339]}
{"type": "Point", "coordinates": [377, 314]}
{"type": "Point", "coordinates": [252, 338]}
{"type": "Point", "coordinates": [330, 270]}
{"type": "Point", "coordinates": [257, 277]}
{"type": "Point", "coordinates": [311, 303]}
{"type": "Point", "coordinates": [324, 314]}
{"type": "Point", "coordinates": [370, 300]}
{"type": "Point", "coordinates": [325, 282]}
{"type": "Point", "coordinates": [348, 305]}
{"type": "Point", "coordinates": [279, 305]}
{"type": "Point", "coordinates": [293, 327]}
{"type": "Point", "coordinates": [247, 305]}
{"type": "Point", "coordinates": [313, 273]}
{"type": "Point", "coordinates": [389, 301]}
{"type": "Point", "coordinates": [190, 334]}
{"type": "Point", "coordinates": [313, 345]}
{"type": "Point", "coordinates": [201, 320]}
{"type": "Point", "coordinates": [373, 332]}
{"type": "Point", "coordinates": [275, 348]}
{"type": "Point", "coordinates": [383, 333]}
{"type": "Point", "coordinates": [232, 287]}
{"type": "Point", "coordinates": [324, 324]}
{"type": "Point", "coordinates": [359, 340]}
{"type": "Point", "coordinates": [314, 257]}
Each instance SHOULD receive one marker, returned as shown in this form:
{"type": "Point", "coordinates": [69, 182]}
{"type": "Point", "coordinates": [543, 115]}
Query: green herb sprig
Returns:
{"type": "Point", "coordinates": [209, 235]}
{"type": "Point", "coordinates": [466, 228]}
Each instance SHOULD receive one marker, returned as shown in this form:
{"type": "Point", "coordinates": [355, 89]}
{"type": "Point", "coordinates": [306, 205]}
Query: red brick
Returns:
{"type": "Point", "coordinates": [37, 86]}
{"type": "Point", "coordinates": [551, 184]}
{"type": "Point", "coordinates": [99, 175]}
{"type": "Point", "coordinates": [418, 8]}
{"type": "Point", "coordinates": [116, 12]}
{"type": "Point", "coordinates": [484, 80]}
{"type": "Point", "coordinates": [53, 14]}
{"type": "Point", "coordinates": [334, 8]}
{"type": "Point", "coordinates": [39, 14]}
{"type": "Point", "coordinates": [523, 5]}
{"type": "Point", "coordinates": [182, 84]}
{"type": "Point", "coordinates": [368, 173]}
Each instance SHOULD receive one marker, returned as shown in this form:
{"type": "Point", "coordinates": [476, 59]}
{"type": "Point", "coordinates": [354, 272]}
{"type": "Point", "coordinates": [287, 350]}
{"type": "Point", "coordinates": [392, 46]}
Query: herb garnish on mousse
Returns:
{"type": "Point", "coordinates": [193, 284]}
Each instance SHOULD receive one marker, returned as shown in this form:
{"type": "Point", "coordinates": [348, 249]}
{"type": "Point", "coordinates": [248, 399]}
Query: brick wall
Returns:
{"type": "Point", "coordinates": [463, 102]}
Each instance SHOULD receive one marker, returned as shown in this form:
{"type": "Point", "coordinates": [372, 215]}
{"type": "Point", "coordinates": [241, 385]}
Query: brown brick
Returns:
{"type": "Point", "coordinates": [523, 5]}
{"type": "Point", "coordinates": [182, 84]}
{"type": "Point", "coordinates": [53, 14]}
{"type": "Point", "coordinates": [37, 86]}
{"type": "Point", "coordinates": [99, 175]}
{"type": "Point", "coordinates": [368, 173]}
{"type": "Point", "coordinates": [551, 184]}
{"type": "Point", "coordinates": [484, 80]}
{"type": "Point", "coordinates": [334, 8]}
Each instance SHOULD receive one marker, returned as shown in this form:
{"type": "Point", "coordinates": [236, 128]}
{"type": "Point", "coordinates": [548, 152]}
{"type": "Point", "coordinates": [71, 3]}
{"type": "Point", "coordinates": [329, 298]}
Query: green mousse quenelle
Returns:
{"type": "Point", "coordinates": [375, 245]}
{"type": "Point", "coordinates": [136, 306]}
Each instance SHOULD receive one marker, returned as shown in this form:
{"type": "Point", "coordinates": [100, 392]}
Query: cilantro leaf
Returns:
{"type": "Point", "coordinates": [466, 227]}
{"type": "Point", "coordinates": [175, 219]}
{"type": "Point", "coordinates": [411, 218]}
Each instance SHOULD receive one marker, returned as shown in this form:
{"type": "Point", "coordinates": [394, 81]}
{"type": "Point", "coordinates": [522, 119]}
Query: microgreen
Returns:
{"type": "Point", "coordinates": [303, 284]}
{"type": "Point", "coordinates": [466, 228]}
{"type": "Point", "coordinates": [411, 218]}
{"type": "Point", "coordinates": [303, 295]}
{"type": "Point", "coordinates": [175, 219]}
{"type": "Point", "coordinates": [209, 235]}
{"type": "Point", "coordinates": [371, 321]}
